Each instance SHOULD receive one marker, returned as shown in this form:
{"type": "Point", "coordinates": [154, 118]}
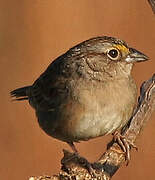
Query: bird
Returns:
{"type": "Point", "coordinates": [87, 92]}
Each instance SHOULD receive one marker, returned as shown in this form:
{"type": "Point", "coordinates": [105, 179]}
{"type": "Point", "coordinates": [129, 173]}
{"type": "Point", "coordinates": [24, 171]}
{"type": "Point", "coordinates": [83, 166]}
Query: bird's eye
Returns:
{"type": "Point", "coordinates": [113, 54]}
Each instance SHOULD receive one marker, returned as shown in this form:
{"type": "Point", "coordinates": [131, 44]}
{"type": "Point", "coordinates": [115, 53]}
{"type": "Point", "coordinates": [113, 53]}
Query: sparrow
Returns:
{"type": "Point", "coordinates": [87, 92]}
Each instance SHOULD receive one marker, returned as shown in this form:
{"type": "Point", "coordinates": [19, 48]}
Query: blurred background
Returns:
{"type": "Point", "coordinates": [33, 33]}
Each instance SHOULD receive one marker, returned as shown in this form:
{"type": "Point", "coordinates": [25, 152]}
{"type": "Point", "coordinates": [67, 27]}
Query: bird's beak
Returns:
{"type": "Point", "coordinates": [135, 56]}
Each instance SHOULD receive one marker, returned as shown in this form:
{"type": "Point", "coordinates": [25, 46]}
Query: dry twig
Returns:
{"type": "Point", "coordinates": [152, 4]}
{"type": "Point", "coordinates": [114, 157]}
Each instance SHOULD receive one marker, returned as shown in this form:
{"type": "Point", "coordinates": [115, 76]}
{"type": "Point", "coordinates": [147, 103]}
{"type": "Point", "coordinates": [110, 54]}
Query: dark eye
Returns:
{"type": "Point", "coordinates": [113, 54]}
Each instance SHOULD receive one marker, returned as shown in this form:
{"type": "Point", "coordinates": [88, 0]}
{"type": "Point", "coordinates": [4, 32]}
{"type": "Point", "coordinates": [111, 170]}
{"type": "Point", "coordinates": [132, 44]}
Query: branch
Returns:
{"type": "Point", "coordinates": [114, 157]}
{"type": "Point", "coordinates": [152, 4]}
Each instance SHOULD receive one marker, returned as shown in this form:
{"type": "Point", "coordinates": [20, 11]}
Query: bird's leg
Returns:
{"type": "Point", "coordinates": [81, 160]}
{"type": "Point", "coordinates": [124, 144]}
{"type": "Point", "coordinates": [71, 144]}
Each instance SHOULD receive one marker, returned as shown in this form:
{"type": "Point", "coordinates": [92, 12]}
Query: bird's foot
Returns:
{"type": "Point", "coordinates": [75, 157]}
{"type": "Point", "coordinates": [124, 144]}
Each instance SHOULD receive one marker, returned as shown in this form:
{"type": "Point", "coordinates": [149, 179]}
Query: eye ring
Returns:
{"type": "Point", "coordinates": [113, 54]}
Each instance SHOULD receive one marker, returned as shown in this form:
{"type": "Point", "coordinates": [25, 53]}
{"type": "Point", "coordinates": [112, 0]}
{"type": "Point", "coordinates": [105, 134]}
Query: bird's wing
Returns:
{"type": "Point", "coordinates": [50, 89]}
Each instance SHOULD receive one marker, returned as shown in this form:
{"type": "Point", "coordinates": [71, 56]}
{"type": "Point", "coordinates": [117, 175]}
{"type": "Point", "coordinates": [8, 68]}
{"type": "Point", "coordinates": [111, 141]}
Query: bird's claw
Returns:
{"type": "Point", "coordinates": [81, 160]}
{"type": "Point", "coordinates": [124, 144]}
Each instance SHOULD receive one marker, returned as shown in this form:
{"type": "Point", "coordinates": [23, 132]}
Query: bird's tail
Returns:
{"type": "Point", "coordinates": [20, 93]}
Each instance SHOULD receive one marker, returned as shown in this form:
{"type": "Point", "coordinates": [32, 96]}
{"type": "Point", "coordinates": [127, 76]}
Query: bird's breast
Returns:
{"type": "Point", "coordinates": [94, 110]}
{"type": "Point", "coordinates": [104, 108]}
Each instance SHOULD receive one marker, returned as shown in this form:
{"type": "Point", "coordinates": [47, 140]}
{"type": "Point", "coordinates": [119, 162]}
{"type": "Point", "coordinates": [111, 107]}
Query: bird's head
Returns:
{"type": "Point", "coordinates": [107, 55]}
